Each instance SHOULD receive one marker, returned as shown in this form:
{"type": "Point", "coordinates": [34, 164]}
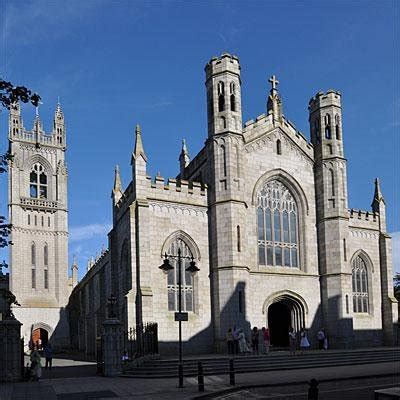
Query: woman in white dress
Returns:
{"type": "Point", "coordinates": [304, 343]}
{"type": "Point", "coordinates": [243, 348]}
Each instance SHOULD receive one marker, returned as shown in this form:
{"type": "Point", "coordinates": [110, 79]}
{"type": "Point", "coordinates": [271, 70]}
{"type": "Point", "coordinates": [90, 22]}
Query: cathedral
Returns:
{"type": "Point", "coordinates": [261, 211]}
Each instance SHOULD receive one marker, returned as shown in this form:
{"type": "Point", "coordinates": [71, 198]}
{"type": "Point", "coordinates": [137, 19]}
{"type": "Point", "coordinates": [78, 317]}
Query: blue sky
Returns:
{"type": "Point", "coordinates": [118, 63]}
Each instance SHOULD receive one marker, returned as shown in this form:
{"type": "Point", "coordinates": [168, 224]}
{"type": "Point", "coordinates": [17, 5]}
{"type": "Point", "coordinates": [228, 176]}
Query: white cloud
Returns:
{"type": "Point", "coordinates": [86, 232]}
{"type": "Point", "coordinates": [396, 251]}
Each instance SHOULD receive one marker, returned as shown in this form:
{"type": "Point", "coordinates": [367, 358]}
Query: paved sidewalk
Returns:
{"type": "Point", "coordinates": [94, 387]}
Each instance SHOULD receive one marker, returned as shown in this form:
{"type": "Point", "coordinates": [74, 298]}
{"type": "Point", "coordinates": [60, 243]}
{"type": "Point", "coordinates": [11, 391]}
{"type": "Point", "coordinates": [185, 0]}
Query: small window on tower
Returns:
{"type": "Point", "coordinates": [278, 147]}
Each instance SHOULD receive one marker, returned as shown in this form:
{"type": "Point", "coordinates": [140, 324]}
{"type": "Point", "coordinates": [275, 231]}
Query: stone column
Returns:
{"type": "Point", "coordinates": [112, 347]}
{"type": "Point", "coordinates": [10, 350]}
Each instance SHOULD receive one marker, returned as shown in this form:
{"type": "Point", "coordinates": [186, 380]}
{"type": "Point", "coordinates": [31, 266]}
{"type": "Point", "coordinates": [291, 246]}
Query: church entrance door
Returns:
{"type": "Point", "coordinates": [40, 337]}
{"type": "Point", "coordinates": [279, 321]}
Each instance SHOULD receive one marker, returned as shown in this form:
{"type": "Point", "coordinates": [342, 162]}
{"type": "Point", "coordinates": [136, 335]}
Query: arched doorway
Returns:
{"type": "Point", "coordinates": [284, 310]}
{"type": "Point", "coordinates": [40, 335]}
{"type": "Point", "coordinates": [279, 323]}
{"type": "Point", "coordinates": [40, 338]}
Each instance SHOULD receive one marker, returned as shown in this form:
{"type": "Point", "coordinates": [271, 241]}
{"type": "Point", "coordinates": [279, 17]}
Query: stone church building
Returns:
{"type": "Point", "coordinates": [261, 210]}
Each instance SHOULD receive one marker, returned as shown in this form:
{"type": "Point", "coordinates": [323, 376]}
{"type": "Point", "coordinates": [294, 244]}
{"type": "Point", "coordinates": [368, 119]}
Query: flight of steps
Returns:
{"type": "Point", "coordinates": [159, 368]}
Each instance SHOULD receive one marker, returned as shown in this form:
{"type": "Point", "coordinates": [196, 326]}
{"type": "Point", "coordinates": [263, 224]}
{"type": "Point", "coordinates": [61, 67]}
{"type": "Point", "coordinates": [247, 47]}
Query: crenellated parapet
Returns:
{"type": "Point", "coordinates": [363, 219]}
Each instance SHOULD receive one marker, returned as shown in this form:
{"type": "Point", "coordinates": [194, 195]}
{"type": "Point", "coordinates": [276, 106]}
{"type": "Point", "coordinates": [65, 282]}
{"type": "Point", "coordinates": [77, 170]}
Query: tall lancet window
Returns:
{"type": "Point", "coordinates": [221, 96]}
{"type": "Point", "coordinates": [46, 266]}
{"type": "Point", "coordinates": [360, 286]}
{"type": "Point", "coordinates": [33, 265]}
{"type": "Point", "coordinates": [173, 277]}
{"type": "Point", "coordinates": [233, 99]}
{"type": "Point", "coordinates": [277, 216]}
{"type": "Point", "coordinates": [38, 182]}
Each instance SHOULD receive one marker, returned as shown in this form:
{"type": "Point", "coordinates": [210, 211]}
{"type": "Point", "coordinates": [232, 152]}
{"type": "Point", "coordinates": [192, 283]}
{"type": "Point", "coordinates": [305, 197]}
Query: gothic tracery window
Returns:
{"type": "Point", "coordinates": [38, 182]}
{"type": "Point", "coordinates": [173, 277]}
{"type": "Point", "coordinates": [277, 216]}
{"type": "Point", "coordinates": [360, 286]}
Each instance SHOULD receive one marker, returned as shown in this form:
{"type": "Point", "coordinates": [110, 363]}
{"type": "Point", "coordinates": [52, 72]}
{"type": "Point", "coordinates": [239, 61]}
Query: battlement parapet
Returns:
{"type": "Point", "coordinates": [178, 185]}
{"type": "Point", "coordinates": [226, 62]}
{"type": "Point", "coordinates": [362, 214]}
{"type": "Point", "coordinates": [330, 98]}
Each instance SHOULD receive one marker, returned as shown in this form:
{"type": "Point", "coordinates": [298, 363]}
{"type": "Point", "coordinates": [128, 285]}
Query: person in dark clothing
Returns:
{"type": "Point", "coordinates": [48, 354]}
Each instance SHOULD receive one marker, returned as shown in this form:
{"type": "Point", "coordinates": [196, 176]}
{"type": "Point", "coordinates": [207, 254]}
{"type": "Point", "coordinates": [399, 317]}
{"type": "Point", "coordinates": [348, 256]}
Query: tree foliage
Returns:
{"type": "Point", "coordinates": [10, 95]}
{"type": "Point", "coordinates": [396, 284]}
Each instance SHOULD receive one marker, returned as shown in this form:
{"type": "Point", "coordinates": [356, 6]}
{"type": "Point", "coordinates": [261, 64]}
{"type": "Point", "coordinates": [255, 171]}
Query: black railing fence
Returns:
{"type": "Point", "coordinates": [142, 341]}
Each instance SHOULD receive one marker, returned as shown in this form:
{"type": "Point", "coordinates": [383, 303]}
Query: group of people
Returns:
{"type": "Point", "coordinates": [33, 371]}
{"type": "Point", "coordinates": [237, 342]}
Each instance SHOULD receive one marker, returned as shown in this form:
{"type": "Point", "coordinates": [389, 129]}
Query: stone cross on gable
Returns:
{"type": "Point", "coordinates": [274, 82]}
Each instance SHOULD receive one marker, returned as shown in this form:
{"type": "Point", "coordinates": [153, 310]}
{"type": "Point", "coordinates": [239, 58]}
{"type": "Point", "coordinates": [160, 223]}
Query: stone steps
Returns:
{"type": "Point", "coordinates": [220, 366]}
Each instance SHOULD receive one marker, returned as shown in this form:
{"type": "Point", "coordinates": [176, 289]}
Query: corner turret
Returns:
{"type": "Point", "coordinates": [224, 104]}
{"type": "Point", "coordinates": [59, 125]}
{"type": "Point", "coordinates": [117, 189]}
{"type": "Point", "coordinates": [378, 206]}
{"type": "Point", "coordinates": [184, 159]}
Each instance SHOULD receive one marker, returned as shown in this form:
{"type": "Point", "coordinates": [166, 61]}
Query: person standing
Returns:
{"type": "Point", "coordinates": [235, 334]}
{"type": "Point", "coordinates": [229, 341]}
{"type": "Point", "coordinates": [36, 365]}
{"type": "Point", "coordinates": [321, 338]}
{"type": "Point", "coordinates": [304, 343]}
{"type": "Point", "coordinates": [254, 339]}
{"type": "Point", "coordinates": [243, 343]}
{"type": "Point", "coordinates": [48, 354]}
{"type": "Point", "coordinates": [292, 340]}
{"type": "Point", "coordinates": [266, 339]}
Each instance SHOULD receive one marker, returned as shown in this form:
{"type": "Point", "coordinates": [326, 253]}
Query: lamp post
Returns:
{"type": "Point", "coordinates": [192, 268]}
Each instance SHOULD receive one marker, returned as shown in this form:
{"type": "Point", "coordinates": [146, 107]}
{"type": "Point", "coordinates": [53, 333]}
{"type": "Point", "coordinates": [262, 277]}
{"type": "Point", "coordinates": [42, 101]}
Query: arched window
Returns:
{"type": "Point", "coordinates": [328, 133]}
{"type": "Point", "coordinates": [38, 182]}
{"type": "Point", "coordinates": [337, 126]}
{"type": "Point", "coordinates": [223, 161]}
{"type": "Point", "coordinates": [332, 182]}
{"type": "Point", "coordinates": [277, 226]}
{"type": "Point", "coordinates": [33, 254]}
{"type": "Point", "coordinates": [239, 245]}
{"type": "Point", "coordinates": [173, 277]}
{"type": "Point", "coordinates": [278, 147]}
{"type": "Point", "coordinates": [316, 128]}
{"type": "Point", "coordinates": [360, 285]}
{"type": "Point", "coordinates": [33, 265]}
{"type": "Point", "coordinates": [233, 99]}
{"type": "Point", "coordinates": [126, 270]}
{"type": "Point", "coordinates": [221, 96]}
{"type": "Point", "coordinates": [46, 255]}
{"type": "Point", "coordinates": [46, 265]}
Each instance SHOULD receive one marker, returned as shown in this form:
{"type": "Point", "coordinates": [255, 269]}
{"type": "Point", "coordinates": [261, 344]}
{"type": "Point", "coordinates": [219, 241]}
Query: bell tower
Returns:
{"type": "Point", "coordinates": [38, 213]}
{"type": "Point", "coordinates": [330, 175]}
{"type": "Point", "coordinates": [227, 208]}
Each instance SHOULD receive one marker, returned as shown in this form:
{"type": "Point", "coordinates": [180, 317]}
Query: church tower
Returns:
{"type": "Point", "coordinates": [227, 209]}
{"type": "Point", "coordinates": [330, 174]}
{"type": "Point", "coordinates": [38, 213]}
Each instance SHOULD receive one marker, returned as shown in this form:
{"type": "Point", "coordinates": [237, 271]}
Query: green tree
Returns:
{"type": "Point", "coordinates": [9, 96]}
{"type": "Point", "coordinates": [396, 284]}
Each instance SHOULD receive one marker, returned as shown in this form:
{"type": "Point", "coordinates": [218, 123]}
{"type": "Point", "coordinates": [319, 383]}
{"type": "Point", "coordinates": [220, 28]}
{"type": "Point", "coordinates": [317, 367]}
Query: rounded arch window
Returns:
{"type": "Point", "coordinates": [173, 276]}
{"type": "Point", "coordinates": [38, 182]}
{"type": "Point", "coordinates": [277, 223]}
{"type": "Point", "coordinates": [360, 285]}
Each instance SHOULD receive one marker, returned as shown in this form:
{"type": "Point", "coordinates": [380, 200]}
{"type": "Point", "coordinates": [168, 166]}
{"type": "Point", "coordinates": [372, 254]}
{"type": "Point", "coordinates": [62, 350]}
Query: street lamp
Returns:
{"type": "Point", "coordinates": [192, 268]}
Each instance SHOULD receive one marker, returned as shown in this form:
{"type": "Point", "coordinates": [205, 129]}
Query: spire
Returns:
{"type": "Point", "coordinates": [138, 145]}
{"type": "Point", "coordinates": [184, 158]}
{"type": "Point", "coordinates": [378, 197]}
{"type": "Point", "coordinates": [274, 104]}
{"type": "Point", "coordinates": [74, 263]}
{"type": "Point", "coordinates": [117, 180]}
